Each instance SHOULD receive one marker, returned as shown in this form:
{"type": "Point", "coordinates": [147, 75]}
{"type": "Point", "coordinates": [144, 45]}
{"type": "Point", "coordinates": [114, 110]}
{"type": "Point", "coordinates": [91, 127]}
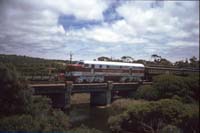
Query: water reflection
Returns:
{"type": "Point", "coordinates": [92, 117]}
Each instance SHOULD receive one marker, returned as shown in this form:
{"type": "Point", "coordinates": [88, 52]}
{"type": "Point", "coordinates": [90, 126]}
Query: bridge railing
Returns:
{"type": "Point", "coordinates": [89, 87]}
{"type": "Point", "coordinates": [101, 93]}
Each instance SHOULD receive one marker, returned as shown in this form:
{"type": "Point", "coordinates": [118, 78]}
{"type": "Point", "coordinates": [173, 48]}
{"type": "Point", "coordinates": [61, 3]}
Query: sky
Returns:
{"type": "Point", "coordinates": [93, 28]}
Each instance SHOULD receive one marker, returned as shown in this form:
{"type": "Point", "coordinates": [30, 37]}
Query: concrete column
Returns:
{"type": "Point", "coordinates": [109, 92]}
{"type": "Point", "coordinates": [67, 99]}
{"type": "Point", "coordinates": [101, 98]}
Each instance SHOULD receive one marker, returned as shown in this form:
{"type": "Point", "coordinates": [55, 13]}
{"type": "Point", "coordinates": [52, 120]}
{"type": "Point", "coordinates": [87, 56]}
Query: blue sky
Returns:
{"type": "Point", "coordinates": [94, 28]}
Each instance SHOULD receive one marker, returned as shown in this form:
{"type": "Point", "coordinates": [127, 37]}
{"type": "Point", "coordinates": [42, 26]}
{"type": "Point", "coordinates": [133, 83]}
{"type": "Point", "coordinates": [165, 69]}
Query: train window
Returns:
{"type": "Point", "coordinates": [120, 66]}
{"type": "Point", "coordinates": [92, 65]}
{"type": "Point", "coordinates": [100, 66]}
{"type": "Point", "coordinates": [107, 66]}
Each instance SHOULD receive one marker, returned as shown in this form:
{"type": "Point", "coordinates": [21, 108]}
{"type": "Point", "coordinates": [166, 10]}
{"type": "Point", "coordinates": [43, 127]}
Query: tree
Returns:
{"type": "Point", "coordinates": [194, 63]}
{"type": "Point", "coordinates": [156, 57]}
{"type": "Point", "coordinates": [127, 59]}
{"type": "Point", "coordinates": [22, 111]}
{"type": "Point", "coordinates": [180, 64]}
{"type": "Point", "coordinates": [103, 58]}
{"type": "Point", "coordinates": [169, 85]}
{"type": "Point", "coordinates": [165, 62]}
{"type": "Point", "coordinates": [15, 95]}
{"type": "Point", "coordinates": [156, 116]}
{"type": "Point", "coordinates": [146, 92]}
{"type": "Point", "coordinates": [192, 83]}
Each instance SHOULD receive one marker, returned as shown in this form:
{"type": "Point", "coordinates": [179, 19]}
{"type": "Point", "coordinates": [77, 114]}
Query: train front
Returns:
{"type": "Point", "coordinates": [73, 71]}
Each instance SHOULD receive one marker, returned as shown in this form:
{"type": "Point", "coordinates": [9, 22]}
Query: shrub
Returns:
{"type": "Point", "coordinates": [154, 116]}
{"type": "Point", "coordinates": [15, 96]}
{"type": "Point", "coordinates": [192, 83]}
{"type": "Point", "coordinates": [84, 129]}
{"type": "Point", "coordinates": [190, 119]}
{"type": "Point", "coordinates": [146, 92]}
{"type": "Point", "coordinates": [185, 89]}
{"type": "Point", "coordinates": [170, 129]}
{"type": "Point", "coordinates": [21, 111]}
{"type": "Point", "coordinates": [19, 123]}
{"type": "Point", "coordinates": [121, 105]}
{"type": "Point", "coordinates": [55, 121]}
{"type": "Point", "coordinates": [170, 85]}
{"type": "Point", "coordinates": [40, 117]}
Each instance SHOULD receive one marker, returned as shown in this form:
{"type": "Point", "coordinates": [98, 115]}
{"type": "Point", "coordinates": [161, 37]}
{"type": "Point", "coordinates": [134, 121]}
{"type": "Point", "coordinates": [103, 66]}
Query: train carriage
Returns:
{"type": "Point", "coordinates": [101, 71]}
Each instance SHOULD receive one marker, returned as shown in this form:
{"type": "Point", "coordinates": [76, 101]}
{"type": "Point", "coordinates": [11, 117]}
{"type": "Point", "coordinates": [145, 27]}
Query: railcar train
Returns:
{"type": "Point", "coordinates": [101, 71]}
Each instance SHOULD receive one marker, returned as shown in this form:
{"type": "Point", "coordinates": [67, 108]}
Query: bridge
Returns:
{"type": "Point", "coordinates": [100, 93]}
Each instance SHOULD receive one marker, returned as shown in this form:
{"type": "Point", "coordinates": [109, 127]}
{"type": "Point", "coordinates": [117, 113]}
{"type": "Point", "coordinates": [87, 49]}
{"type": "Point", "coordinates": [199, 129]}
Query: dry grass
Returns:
{"type": "Point", "coordinates": [80, 98]}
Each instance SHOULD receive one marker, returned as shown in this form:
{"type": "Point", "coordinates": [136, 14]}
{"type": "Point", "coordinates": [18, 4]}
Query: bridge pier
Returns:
{"type": "Point", "coordinates": [101, 93]}
{"type": "Point", "coordinates": [67, 94]}
{"type": "Point", "coordinates": [103, 97]}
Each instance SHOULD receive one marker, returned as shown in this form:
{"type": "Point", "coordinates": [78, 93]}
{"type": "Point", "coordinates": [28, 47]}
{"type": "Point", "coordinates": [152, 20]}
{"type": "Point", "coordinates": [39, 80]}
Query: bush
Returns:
{"type": "Point", "coordinates": [40, 117]}
{"type": "Point", "coordinates": [146, 92]}
{"type": "Point", "coordinates": [154, 116]}
{"type": "Point", "coordinates": [15, 96]}
{"type": "Point", "coordinates": [21, 111]}
{"type": "Point", "coordinates": [170, 85]}
{"type": "Point", "coordinates": [83, 129]}
{"type": "Point", "coordinates": [55, 121]}
{"type": "Point", "coordinates": [170, 129]}
{"type": "Point", "coordinates": [185, 89]}
{"type": "Point", "coordinates": [121, 105]}
{"type": "Point", "coordinates": [190, 119]}
{"type": "Point", "coordinates": [192, 83]}
{"type": "Point", "coordinates": [19, 123]}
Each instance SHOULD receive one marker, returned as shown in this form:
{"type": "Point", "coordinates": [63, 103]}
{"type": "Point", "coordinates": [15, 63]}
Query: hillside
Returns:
{"type": "Point", "coordinates": [31, 65]}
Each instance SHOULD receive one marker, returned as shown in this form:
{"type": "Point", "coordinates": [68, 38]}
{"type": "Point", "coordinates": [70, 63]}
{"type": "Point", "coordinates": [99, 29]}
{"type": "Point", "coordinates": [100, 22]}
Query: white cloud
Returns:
{"type": "Point", "coordinates": [181, 43]}
{"type": "Point", "coordinates": [35, 23]}
{"type": "Point", "coordinates": [117, 32]}
{"type": "Point", "coordinates": [89, 9]}
{"type": "Point", "coordinates": [144, 19]}
{"type": "Point", "coordinates": [33, 26]}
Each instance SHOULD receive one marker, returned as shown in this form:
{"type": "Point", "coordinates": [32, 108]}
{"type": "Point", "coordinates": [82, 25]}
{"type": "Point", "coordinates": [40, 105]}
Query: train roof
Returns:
{"type": "Point", "coordinates": [113, 63]}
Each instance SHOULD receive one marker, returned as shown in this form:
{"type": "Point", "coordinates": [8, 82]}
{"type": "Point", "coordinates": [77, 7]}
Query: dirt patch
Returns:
{"type": "Point", "coordinates": [80, 98]}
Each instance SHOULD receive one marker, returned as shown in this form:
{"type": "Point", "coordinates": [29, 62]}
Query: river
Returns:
{"type": "Point", "coordinates": [91, 117]}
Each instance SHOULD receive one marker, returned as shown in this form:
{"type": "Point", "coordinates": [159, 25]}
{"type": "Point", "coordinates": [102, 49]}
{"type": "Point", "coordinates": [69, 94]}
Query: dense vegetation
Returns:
{"type": "Point", "coordinates": [171, 86]}
{"type": "Point", "coordinates": [22, 111]}
{"type": "Point", "coordinates": [36, 66]}
{"type": "Point", "coordinates": [155, 117]}
{"type": "Point", "coordinates": [33, 66]}
{"type": "Point", "coordinates": [171, 104]}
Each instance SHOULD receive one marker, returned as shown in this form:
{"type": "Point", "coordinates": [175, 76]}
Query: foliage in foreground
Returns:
{"type": "Point", "coordinates": [156, 116]}
{"type": "Point", "coordinates": [21, 111]}
{"type": "Point", "coordinates": [15, 96]}
{"type": "Point", "coordinates": [185, 89]}
{"type": "Point", "coordinates": [55, 121]}
{"type": "Point", "coordinates": [84, 129]}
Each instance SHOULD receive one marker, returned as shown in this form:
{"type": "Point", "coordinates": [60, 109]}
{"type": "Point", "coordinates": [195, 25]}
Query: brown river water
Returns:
{"type": "Point", "coordinates": [82, 113]}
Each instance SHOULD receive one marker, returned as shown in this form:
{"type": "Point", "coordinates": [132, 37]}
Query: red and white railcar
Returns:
{"type": "Point", "coordinates": [101, 71]}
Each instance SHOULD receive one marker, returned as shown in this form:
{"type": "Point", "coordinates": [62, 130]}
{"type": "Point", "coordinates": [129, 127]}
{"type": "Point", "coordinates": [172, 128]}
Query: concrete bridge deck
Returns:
{"type": "Point", "coordinates": [100, 93]}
